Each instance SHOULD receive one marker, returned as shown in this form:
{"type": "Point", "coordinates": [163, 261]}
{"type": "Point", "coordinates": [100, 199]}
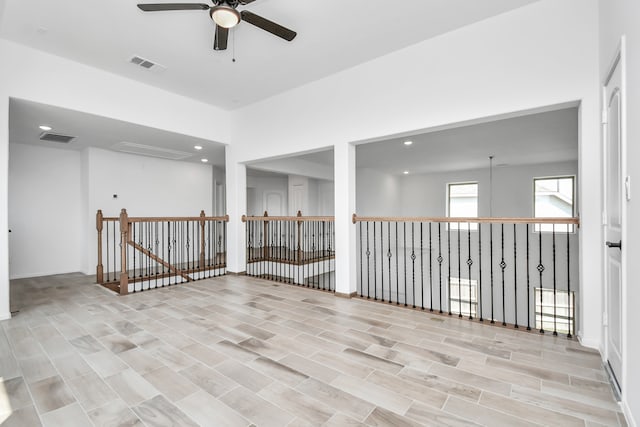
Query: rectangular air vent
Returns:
{"type": "Point", "coordinates": [147, 64]}
{"type": "Point", "coordinates": [148, 150]}
{"type": "Point", "coordinates": [56, 137]}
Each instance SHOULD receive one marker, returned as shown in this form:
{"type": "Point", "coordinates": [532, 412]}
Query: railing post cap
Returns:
{"type": "Point", "coordinates": [202, 213]}
{"type": "Point", "coordinates": [299, 213]}
{"type": "Point", "coordinates": [265, 213]}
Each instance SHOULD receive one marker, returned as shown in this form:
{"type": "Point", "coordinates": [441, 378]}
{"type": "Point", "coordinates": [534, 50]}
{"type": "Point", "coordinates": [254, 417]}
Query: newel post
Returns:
{"type": "Point", "coordinates": [99, 268]}
{"type": "Point", "coordinates": [202, 242]}
{"type": "Point", "coordinates": [265, 246]}
{"type": "Point", "coordinates": [124, 238]}
{"type": "Point", "coordinates": [299, 237]}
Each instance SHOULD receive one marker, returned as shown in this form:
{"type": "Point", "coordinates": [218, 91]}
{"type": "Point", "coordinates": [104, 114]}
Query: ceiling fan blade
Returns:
{"type": "Point", "coordinates": [245, 2]}
{"type": "Point", "coordinates": [161, 7]}
{"type": "Point", "coordinates": [222, 36]}
{"type": "Point", "coordinates": [270, 26]}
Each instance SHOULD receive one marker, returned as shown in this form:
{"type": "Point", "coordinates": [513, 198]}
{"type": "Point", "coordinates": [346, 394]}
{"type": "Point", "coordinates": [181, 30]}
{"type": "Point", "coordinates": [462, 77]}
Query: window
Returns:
{"type": "Point", "coordinates": [463, 203]}
{"type": "Point", "coordinates": [564, 310]}
{"type": "Point", "coordinates": [553, 198]}
{"type": "Point", "coordinates": [463, 296]}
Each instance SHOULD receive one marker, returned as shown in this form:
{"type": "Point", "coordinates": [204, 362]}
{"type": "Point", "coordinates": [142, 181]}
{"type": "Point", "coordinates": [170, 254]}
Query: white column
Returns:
{"type": "Point", "coordinates": [236, 193]}
{"type": "Point", "coordinates": [345, 207]}
{"type": "Point", "coordinates": [5, 311]}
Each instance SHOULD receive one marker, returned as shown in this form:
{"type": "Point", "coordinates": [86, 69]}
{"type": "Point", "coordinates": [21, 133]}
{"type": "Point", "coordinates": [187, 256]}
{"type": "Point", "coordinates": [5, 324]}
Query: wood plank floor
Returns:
{"type": "Point", "coordinates": [238, 351]}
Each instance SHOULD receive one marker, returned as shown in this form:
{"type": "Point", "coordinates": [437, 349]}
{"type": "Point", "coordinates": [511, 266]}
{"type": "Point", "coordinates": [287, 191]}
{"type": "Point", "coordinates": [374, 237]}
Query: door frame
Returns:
{"type": "Point", "coordinates": [619, 60]}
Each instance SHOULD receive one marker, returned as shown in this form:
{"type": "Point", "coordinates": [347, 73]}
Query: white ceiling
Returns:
{"type": "Point", "coordinates": [333, 35]}
{"type": "Point", "coordinates": [545, 137]}
{"type": "Point", "coordinates": [100, 132]}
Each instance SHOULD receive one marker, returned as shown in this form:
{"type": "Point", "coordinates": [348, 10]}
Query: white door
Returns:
{"type": "Point", "coordinates": [273, 203]}
{"type": "Point", "coordinates": [613, 187]}
{"type": "Point", "coordinates": [298, 193]}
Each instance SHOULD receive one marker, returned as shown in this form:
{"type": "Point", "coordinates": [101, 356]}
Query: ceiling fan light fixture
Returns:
{"type": "Point", "coordinates": [225, 16]}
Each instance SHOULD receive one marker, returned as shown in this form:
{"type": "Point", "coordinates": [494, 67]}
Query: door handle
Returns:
{"type": "Point", "coordinates": [614, 245]}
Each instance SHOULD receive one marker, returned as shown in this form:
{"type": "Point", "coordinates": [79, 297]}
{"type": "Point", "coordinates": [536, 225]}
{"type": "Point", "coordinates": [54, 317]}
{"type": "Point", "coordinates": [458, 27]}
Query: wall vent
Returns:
{"type": "Point", "coordinates": [56, 137]}
{"type": "Point", "coordinates": [148, 150]}
{"type": "Point", "coordinates": [147, 64]}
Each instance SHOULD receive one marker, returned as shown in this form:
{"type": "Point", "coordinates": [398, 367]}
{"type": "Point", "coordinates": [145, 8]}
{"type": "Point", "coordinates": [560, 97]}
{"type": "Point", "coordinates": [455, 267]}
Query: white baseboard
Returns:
{"type": "Point", "coordinates": [32, 275]}
{"type": "Point", "coordinates": [5, 316]}
{"type": "Point", "coordinates": [590, 343]}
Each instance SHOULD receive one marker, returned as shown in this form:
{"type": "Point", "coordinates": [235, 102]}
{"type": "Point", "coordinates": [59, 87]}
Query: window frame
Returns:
{"type": "Point", "coordinates": [537, 227]}
{"type": "Point", "coordinates": [454, 225]}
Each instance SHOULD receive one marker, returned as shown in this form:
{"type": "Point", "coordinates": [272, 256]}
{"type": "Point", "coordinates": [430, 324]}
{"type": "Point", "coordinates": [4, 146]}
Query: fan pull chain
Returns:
{"type": "Point", "coordinates": [233, 45]}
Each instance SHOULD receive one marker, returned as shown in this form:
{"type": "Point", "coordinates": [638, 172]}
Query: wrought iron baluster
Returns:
{"type": "Point", "coordinates": [480, 298]}
{"type": "Point", "coordinates": [570, 316]}
{"type": "Point", "coordinates": [449, 264]}
{"type": "Point", "coordinates": [555, 302]}
{"type": "Point", "coordinates": [107, 251]}
{"type": "Point", "coordinates": [528, 285]}
{"type": "Point", "coordinates": [397, 269]}
{"type": "Point", "coordinates": [421, 269]}
{"type": "Point", "coordinates": [493, 318]}
{"type": "Point", "coordinates": [469, 264]}
{"type": "Point", "coordinates": [361, 272]}
{"type": "Point", "coordinates": [540, 270]}
{"type": "Point", "coordinates": [375, 265]}
{"type": "Point", "coordinates": [430, 270]}
{"type": "Point", "coordinates": [459, 277]}
{"type": "Point", "coordinates": [413, 266]}
{"type": "Point", "coordinates": [368, 253]}
{"type": "Point", "coordinates": [389, 257]}
{"type": "Point", "coordinates": [440, 266]}
{"type": "Point", "coordinates": [503, 265]}
{"type": "Point", "coordinates": [404, 237]}
{"type": "Point", "coordinates": [515, 275]}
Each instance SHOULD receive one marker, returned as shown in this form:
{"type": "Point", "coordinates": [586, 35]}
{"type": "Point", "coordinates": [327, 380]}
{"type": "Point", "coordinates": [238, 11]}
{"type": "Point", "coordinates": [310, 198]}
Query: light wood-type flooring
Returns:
{"type": "Point", "coordinates": [238, 351]}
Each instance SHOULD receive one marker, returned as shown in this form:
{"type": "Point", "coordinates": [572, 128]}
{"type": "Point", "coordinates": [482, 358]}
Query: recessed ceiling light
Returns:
{"type": "Point", "coordinates": [198, 147]}
{"type": "Point", "coordinates": [45, 128]}
{"type": "Point", "coordinates": [408, 143]}
{"type": "Point", "coordinates": [406, 172]}
{"type": "Point", "coordinates": [204, 160]}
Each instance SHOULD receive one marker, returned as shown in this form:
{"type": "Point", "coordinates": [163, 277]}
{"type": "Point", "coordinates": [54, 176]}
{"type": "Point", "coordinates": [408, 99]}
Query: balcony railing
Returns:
{"type": "Point", "coordinates": [292, 249]}
{"type": "Point", "coordinates": [518, 272]}
{"type": "Point", "coordinates": [138, 254]}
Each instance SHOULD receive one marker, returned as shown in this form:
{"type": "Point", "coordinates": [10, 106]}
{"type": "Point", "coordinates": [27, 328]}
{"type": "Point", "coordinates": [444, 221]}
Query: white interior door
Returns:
{"type": "Point", "coordinates": [273, 201]}
{"type": "Point", "coordinates": [613, 186]}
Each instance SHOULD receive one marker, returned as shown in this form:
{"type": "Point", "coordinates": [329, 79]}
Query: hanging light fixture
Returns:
{"type": "Point", "coordinates": [225, 16]}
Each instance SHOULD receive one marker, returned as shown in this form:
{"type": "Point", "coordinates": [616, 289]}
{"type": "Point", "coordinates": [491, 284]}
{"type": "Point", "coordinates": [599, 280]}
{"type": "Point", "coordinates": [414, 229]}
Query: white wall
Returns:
{"type": "Point", "coordinates": [377, 193]}
{"type": "Point", "coordinates": [617, 18]}
{"type": "Point", "coordinates": [426, 194]}
{"type": "Point", "coordinates": [52, 189]}
{"type": "Point", "coordinates": [45, 211]}
{"type": "Point", "coordinates": [261, 187]}
{"type": "Point", "coordinates": [145, 186]}
{"type": "Point", "coordinates": [40, 77]}
{"type": "Point", "coordinates": [495, 67]}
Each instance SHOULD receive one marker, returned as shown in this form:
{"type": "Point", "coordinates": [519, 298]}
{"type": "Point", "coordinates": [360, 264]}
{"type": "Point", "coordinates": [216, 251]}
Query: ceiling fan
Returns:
{"type": "Point", "coordinates": [225, 15]}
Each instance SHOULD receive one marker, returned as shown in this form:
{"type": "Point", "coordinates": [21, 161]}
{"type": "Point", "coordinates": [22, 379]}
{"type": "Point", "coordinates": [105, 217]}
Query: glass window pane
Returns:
{"type": "Point", "coordinates": [553, 198]}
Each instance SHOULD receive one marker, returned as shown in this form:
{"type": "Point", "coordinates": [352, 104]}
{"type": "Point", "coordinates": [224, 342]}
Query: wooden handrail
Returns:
{"type": "Point", "coordinates": [180, 218]}
{"type": "Point", "coordinates": [481, 220]}
{"type": "Point", "coordinates": [287, 218]}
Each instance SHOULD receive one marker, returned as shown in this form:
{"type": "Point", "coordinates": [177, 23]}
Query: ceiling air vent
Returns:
{"type": "Point", "coordinates": [148, 150]}
{"type": "Point", "coordinates": [56, 137]}
{"type": "Point", "coordinates": [147, 64]}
